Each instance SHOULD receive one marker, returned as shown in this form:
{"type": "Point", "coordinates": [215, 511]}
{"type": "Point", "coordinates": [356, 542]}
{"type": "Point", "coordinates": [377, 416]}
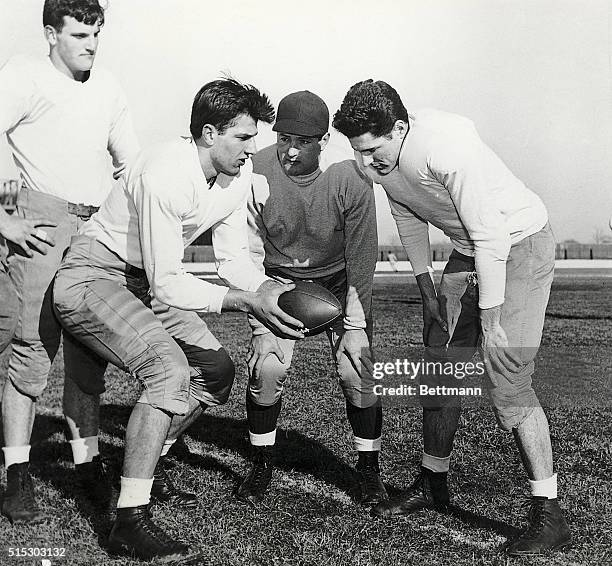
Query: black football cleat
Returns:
{"type": "Point", "coordinates": [134, 534]}
{"type": "Point", "coordinates": [255, 485]}
{"type": "Point", "coordinates": [547, 530]}
{"type": "Point", "coordinates": [164, 491]}
{"type": "Point", "coordinates": [429, 491]}
{"type": "Point", "coordinates": [368, 473]}
{"type": "Point", "coordinates": [94, 482]}
{"type": "Point", "coordinates": [19, 503]}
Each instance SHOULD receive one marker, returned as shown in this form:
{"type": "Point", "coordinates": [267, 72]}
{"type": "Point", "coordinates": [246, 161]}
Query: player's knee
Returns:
{"type": "Point", "coordinates": [164, 372]}
{"type": "Point", "coordinates": [220, 376]}
{"type": "Point", "coordinates": [29, 367]}
{"type": "Point", "coordinates": [512, 408]}
{"type": "Point", "coordinates": [273, 368]}
{"type": "Point", "coordinates": [266, 397]}
{"type": "Point", "coordinates": [268, 388]}
{"type": "Point", "coordinates": [358, 390]}
{"type": "Point", "coordinates": [89, 384]}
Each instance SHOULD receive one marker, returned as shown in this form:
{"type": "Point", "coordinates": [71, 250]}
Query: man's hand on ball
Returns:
{"type": "Point", "coordinates": [264, 307]}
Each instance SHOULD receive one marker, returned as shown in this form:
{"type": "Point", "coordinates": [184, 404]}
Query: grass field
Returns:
{"type": "Point", "coordinates": [311, 516]}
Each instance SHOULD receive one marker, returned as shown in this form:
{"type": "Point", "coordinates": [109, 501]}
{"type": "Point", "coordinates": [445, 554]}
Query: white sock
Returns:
{"type": "Point", "coordinates": [167, 445]}
{"type": "Point", "coordinates": [84, 449]}
{"type": "Point", "coordinates": [134, 492]}
{"type": "Point", "coordinates": [16, 454]}
{"type": "Point", "coordinates": [434, 463]}
{"type": "Point", "coordinates": [367, 444]}
{"type": "Point", "coordinates": [544, 488]}
{"type": "Point", "coordinates": [266, 439]}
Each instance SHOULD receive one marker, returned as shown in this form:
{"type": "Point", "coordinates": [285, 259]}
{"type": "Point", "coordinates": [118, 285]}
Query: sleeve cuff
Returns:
{"type": "Point", "coordinates": [216, 299]}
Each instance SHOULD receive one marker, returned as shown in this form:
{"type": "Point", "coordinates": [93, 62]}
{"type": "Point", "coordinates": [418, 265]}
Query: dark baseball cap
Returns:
{"type": "Point", "coordinates": [303, 114]}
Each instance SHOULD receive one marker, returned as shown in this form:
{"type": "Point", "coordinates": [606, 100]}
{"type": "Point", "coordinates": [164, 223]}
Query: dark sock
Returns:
{"type": "Point", "coordinates": [437, 480]}
{"type": "Point", "coordinates": [366, 422]}
{"type": "Point", "coordinates": [262, 419]}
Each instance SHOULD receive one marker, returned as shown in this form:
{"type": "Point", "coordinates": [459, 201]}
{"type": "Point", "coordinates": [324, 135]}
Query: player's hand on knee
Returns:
{"type": "Point", "coordinates": [28, 234]}
{"type": "Point", "coordinates": [355, 345]}
{"type": "Point", "coordinates": [264, 306]}
{"type": "Point", "coordinates": [434, 320]}
{"type": "Point", "coordinates": [262, 345]}
{"type": "Point", "coordinates": [495, 350]}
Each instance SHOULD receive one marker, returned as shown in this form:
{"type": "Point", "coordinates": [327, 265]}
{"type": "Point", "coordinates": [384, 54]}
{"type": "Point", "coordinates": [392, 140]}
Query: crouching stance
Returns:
{"type": "Point", "coordinates": [495, 287]}
{"type": "Point", "coordinates": [130, 251]}
{"type": "Point", "coordinates": [317, 225]}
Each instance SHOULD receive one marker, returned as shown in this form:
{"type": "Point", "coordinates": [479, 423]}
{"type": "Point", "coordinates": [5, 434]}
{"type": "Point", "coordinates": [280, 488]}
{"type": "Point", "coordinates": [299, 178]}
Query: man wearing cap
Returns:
{"type": "Point", "coordinates": [309, 224]}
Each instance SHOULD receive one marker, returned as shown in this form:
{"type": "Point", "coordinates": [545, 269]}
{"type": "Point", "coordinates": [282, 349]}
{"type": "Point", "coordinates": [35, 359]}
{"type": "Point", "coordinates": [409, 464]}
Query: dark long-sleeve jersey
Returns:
{"type": "Point", "coordinates": [316, 225]}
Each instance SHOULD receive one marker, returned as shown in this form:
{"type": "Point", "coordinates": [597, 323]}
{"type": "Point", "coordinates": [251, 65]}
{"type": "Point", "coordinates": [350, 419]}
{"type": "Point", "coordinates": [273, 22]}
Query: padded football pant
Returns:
{"type": "Point", "coordinates": [9, 309]}
{"type": "Point", "coordinates": [529, 275]}
{"type": "Point", "coordinates": [105, 304]}
{"type": "Point", "coordinates": [357, 383]}
{"type": "Point", "coordinates": [38, 332]}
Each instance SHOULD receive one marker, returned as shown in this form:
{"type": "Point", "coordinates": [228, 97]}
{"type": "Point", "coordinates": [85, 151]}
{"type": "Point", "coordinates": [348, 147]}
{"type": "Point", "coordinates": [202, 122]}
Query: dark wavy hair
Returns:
{"type": "Point", "coordinates": [85, 11]}
{"type": "Point", "coordinates": [369, 107]}
{"type": "Point", "coordinates": [220, 102]}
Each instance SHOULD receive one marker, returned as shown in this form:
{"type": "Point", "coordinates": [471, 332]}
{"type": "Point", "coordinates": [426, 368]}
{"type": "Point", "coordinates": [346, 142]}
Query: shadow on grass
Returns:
{"type": "Point", "coordinates": [481, 522]}
{"type": "Point", "coordinates": [47, 466]}
{"type": "Point", "coordinates": [294, 451]}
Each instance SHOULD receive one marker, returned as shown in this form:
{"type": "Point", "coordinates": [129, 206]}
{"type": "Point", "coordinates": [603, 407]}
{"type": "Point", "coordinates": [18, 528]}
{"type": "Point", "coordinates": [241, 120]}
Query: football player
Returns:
{"type": "Point", "coordinates": [132, 249]}
{"type": "Point", "coordinates": [495, 287]}
{"type": "Point", "coordinates": [310, 224]}
{"type": "Point", "coordinates": [61, 118]}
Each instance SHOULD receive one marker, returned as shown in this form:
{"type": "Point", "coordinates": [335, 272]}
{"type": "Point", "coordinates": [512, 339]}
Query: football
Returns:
{"type": "Point", "coordinates": [313, 305]}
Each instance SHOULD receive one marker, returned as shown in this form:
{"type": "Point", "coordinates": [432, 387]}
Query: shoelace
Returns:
{"type": "Point", "coordinates": [163, 476]}
{"type": "Point", "coordinates": [536, 516]}
{"type": "Point", "coordinates": [370, 474]}
{"type": "Point", "coordinates": [155, 532]}
{"type": "Point", "coordinates": [27, 492]}
{"type": "Point", "coordinates": [259, 466]}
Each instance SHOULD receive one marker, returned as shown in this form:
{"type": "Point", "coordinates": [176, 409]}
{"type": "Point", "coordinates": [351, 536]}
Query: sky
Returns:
{"type": "Point", "coordinates": [534, 75]}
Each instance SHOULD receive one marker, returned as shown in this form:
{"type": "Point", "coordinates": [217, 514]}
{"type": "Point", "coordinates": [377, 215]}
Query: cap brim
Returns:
{"type": "Point", "coordinates": [297, 128]}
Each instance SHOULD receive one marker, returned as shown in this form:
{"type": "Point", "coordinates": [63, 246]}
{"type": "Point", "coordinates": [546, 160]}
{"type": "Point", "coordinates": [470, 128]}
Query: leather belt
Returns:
{"type": "Point", "coordinates": [82, 210]}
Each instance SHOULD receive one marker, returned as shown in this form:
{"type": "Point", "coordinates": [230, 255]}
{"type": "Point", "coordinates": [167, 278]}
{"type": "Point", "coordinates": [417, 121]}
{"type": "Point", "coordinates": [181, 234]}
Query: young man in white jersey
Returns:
{"type": "Point", "coordinates": [61, 120]}
{"type": "Point", "coordinates": [122, 290]}
{"type": "Point", "coordinates": [495, 287]}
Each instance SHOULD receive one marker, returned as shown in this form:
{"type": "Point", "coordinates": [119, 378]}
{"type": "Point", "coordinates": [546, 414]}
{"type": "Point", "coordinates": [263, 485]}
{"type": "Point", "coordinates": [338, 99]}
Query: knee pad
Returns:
{"type": "Point", "coordinates": [357, 389]}
{"type": "Point", "coordinates": [509, 418]}
{"type": "Point", "coordinates": [218, 376]}
{"type": "Point", "coordinates": [29, 367]}
{"type": "Point", "coordinates": [268, 388]}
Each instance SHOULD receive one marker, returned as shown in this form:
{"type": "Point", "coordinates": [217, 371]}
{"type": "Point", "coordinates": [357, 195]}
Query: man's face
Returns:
{"type": "Point", "coordinates": [380, 153]}
{"type": "Point", "coordinates": [234, 146]}
{"type": "Point", "coordinates": [299, 155]}
{"type": "Point", "coordinates": [75, 45]}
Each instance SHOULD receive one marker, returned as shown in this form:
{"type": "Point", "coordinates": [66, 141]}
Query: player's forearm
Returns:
{"type": "Point", "coordinates": [426, 286]}
{"type": "Point", "coordinates": [238, 301]}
